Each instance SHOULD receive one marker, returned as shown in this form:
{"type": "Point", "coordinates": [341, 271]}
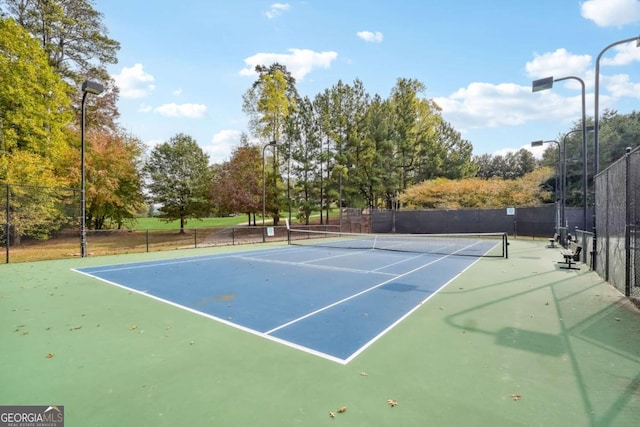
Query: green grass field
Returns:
{"type": "Point", "coordinates": [229, 221]}
{"type": "Point", "coordinates": [157, 224]}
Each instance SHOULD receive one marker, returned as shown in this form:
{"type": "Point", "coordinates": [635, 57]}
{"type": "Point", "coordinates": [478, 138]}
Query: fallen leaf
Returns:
{"type": "Point", "coordinates": [342, 409]}
{"type": "Point", "coordinates": [50, 356]}
{"type": "Point", "coordinates": [392, 402]}
{"type": "Point", "coordinates": [516, 397]}
{"type": "Point", "coordinates": [133, 327]}
{"type": "Point", "coordinates": [363, 374]}
{"type": "Point", "coordinates": [332, 414]}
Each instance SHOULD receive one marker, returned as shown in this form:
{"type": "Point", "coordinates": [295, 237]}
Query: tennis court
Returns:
{"type": "Point", "coordinates": [507, 342]}
{"type": "Point", "coordinates": [329, 294]}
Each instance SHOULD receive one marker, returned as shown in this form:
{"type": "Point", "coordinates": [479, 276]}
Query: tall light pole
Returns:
{"type": "Point", "coordinates": [264, 188]}
{"type": "Point", "coordinates": [596, 166]}
{"type": "Point", "coordinates": [88, 87]}
{"type": "Point", "coordinates": [596, 140]}
{"type": "Point", "coordinates": [547, 83]}
{"type": "Point", "coordinates": [558, 172]}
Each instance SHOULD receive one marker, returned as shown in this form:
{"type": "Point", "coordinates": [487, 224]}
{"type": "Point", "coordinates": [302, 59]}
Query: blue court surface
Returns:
{"type": "Point", "coordinates": [333, 303]}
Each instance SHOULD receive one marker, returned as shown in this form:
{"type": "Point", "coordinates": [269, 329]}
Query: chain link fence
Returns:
{"type": "Point", "coordinates": [43, 223]}
{"type": "Point", "coordinates": [617, 221]}
{"type": "Point", "coordinates": [32, 214]}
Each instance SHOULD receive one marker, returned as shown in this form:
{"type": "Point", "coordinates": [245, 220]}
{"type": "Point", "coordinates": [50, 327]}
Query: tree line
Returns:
{"type": "Point", "coordinates": [301, 155]}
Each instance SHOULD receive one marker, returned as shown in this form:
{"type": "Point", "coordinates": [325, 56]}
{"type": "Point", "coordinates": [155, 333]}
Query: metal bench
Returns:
{"type": "Point", "coordinates": [570, 255]}
{"type": "Point", "coordinates": [553, 240]}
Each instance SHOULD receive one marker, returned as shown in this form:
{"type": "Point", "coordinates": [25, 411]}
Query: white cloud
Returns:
{"type": "Point", "coordinates": [221, 145]}
{"type": "Point", "coordinates": [625, 55]}
{"type": "Point", "coordinates": [557, 64]}
{"type": "Point", "coordinates": [134, 82]}
{"type": "Point", "coordinates": [621, 85]}
{"type": "Point", "coordinates": [177, 92]}
{"type": "Point", "coordinates": [194, 111]}
{"type": "Point", "coordinates": [370, 37]}
{"type": "Point", "coordinates": [485, 105]}
{"type": "Point", "coordinates": [276, 10]}
{"type": "Point", "coordinates": [144, 108]}
{"type": "Point", "coordinates": [299, 62]}
{"type": "Point", "coordinates": [611, 13]}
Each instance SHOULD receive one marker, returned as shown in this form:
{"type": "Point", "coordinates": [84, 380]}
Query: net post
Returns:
{"type": "Point", "coordinates": [505, 244]}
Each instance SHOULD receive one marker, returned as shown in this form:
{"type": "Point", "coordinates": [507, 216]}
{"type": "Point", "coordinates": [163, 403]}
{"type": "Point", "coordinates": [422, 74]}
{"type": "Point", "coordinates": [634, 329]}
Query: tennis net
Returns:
{"type": "Point", "coordinates": [463, 244]}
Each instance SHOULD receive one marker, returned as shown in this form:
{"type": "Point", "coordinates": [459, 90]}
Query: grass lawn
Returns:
{"type": "Point", "coordinates": [157, 224]}
{"type": "Point", "coordinates": [229, 221]}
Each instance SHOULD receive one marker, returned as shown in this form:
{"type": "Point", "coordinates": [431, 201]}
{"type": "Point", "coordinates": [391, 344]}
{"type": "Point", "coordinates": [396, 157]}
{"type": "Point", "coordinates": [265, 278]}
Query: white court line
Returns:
{"type": "Point", "coordinates": [158, 263]}
{"type": "Point", "coordinates": [267, 334]}
{"type": "Point", "coordinates": [394, 324]}
{"type": "Point", "coordinates": [221, 320]}
{"type": "Point", "coordinates": [353, 296]}
{"type": "Point", "coordinates": [322, 267]}
{"type": "Point", "coordinates": [396, 263]}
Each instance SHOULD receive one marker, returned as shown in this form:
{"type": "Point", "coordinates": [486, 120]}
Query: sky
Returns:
{"type": "Point", "coordinates": [183, 67]}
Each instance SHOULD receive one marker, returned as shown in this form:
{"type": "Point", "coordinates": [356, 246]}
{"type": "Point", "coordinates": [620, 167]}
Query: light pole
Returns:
{"type": "Point", "coordinates": [95, 89]}
{"type": "Point", "coordinates": [547, 83]}
{"type": "Point", "coordinates": [596, 141]}
{"type": "Point", "coordinates": [596, 131]}
{"type": "Point", "coordinates": [264, 191]}
{"type": "Point", "coordinates": [558, 172]}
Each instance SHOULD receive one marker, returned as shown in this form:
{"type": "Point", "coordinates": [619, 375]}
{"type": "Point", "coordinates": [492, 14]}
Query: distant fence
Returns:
{"type": "Point", "coordinates": [538, 221]}
{"type": "Point", "coordinates": [66, 243]}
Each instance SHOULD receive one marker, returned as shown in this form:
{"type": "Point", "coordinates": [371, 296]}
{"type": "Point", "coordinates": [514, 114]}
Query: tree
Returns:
{"type": "Point", "coordinates": [113, 181]}
{"type": "Point", "coordinates": [269, 102]}
{"type": "Point", "coordinates": [303, 138]}
{"type": "Point", "coordinates": [510, 166]}
{"type": "Point", "coordinates": [380, 182]}
{"type": "Point", "coordinates": [442, 193]}
{"type": "Point", "coordinates": [34, 107]}
{"type": "Point", "coordinates": [34, 112]}
{"type": "Point", "coordinates": [179, 179]}
{"type": "Point", "coordinates": [345, 125]}
{"type": "Point", "coordinates": [454, 152]}
{"type": "Point", "coordinates": [77, 46]}
{"type": "Point", "coordinates": [414, 124]}
{"type": "Point", "coordinates": [236, 185]}
{"type": "Point", "coordinates": [71, 32]}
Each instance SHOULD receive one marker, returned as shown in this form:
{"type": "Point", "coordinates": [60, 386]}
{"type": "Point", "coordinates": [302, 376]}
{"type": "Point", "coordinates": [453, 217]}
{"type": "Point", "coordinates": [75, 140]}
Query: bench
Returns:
{"type": "Point", "coordinates": [553, 240]}
{"type": "Point", "coordinates": [571, 254]}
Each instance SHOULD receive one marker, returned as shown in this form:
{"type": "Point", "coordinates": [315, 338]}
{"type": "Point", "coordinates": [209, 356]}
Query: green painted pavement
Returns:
{"type": "Point", "coordinates": [514, 342]}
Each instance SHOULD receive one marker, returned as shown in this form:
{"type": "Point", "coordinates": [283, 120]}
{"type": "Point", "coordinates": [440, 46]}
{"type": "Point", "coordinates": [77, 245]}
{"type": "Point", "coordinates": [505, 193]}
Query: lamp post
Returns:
{"type": "Point", "coordinates": [547, 83]}
{"type": "Point", "coordinates": [596, 166]}
{"type": "Point", "coordinates": [88, 87]}
{"type": "Point", "coordinates": [596, 141]}
{"type": "Point", "coordinates": [264, 191]}
{"type": "Point", "coordinates": [558, 172]}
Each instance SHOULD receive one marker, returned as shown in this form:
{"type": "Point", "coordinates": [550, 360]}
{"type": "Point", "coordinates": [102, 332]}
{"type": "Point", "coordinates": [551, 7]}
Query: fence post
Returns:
{"type": "Point", "coordinates": [8, 226]}
{"type": "Point", "coordinates": [627, 228]}
{"type": "Point", "coordinates": [147, 239]}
